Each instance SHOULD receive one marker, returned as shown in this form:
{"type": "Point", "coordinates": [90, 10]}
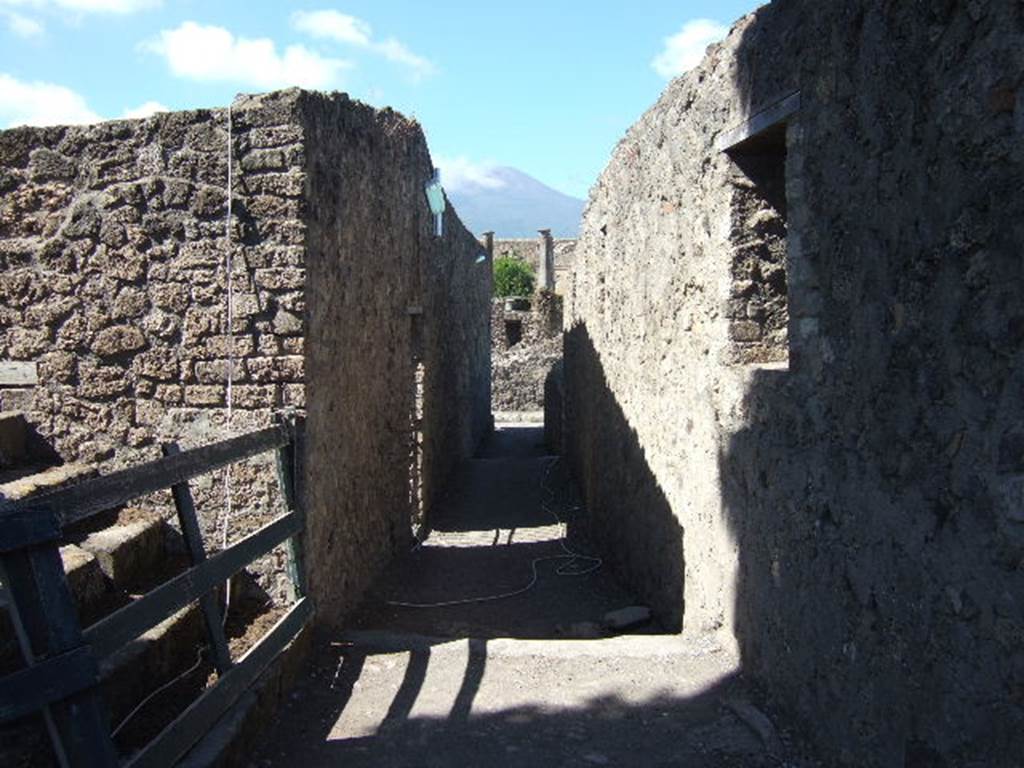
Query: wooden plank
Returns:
{"type": "Point", "coordinates": [28, 528]}
{"type": "Point", "coordinates": [178, 737]}
{"type": "Point", "coordinates": [288, 472]}
{"type": "Point", "coordinates": [32, 689]}
{"type": "Point", "coordinates": [777, 113]}
{"type": "Point", "coordinates": [109, 491]}
{"type": "Point", "coordinates": [46, 612]}
{"type": "Point", "coordinates": [16, 373]}
{"type": "Point", "coordinates": [109, 634]}
{"type": "Point", "coordinates": [212, 616]}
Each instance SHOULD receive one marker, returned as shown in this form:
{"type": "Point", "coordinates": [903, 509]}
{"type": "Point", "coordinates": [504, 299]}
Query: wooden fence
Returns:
{"type": "Point", "coordinates": [61, 678]}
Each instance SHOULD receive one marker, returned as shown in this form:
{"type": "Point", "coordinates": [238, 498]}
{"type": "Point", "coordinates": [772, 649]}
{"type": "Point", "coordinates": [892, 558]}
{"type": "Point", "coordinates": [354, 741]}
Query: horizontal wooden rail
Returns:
{"type": "Point", "coordinates": [42, 684]}
{"type": "Point", "coordinates": [108, 635]}
{"type": "Point", "coordinates": [25, 528]}
{"type": "Point", "coordinates": [20, 524]}
{"type": "Point", "coordinates": [182, 734]}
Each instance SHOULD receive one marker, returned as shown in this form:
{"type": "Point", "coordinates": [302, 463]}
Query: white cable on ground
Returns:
{"type": "Point", "coordinates": [229, 270]}
{"type": "Point", "coordinates": [565, 570]}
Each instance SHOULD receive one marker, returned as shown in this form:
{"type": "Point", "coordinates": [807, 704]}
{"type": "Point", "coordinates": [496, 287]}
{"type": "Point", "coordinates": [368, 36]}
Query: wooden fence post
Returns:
{"type": "Point", "coordinates": [289, 475]}
{"type": "Point", "coordinates": [212, 616]}
{"type": "Point", "coordinates": [46, 612]}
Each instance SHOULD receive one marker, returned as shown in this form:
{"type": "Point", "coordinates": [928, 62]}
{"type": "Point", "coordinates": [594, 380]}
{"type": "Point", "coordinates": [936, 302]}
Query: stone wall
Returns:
{"type": "Point", "coordinates": [849, 511]}
{"type": "Point", "coordinates": [113, 277]}
{"type": "Point", "coordinates": [113, 272]}
{"type": "Point", "coordinates": [386, 297]}
{"type": "Point", "coordinates": [526, 341]}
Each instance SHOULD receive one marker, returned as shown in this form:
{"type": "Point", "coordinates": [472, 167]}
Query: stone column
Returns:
{"type": "Point", "coordinates": [546, 262]}
{"type": "Point", "coordinates": [488, 243]}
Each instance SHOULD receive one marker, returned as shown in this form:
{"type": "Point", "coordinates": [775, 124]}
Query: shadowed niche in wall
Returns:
{"type": "Point", "coordinates": [641, 538]}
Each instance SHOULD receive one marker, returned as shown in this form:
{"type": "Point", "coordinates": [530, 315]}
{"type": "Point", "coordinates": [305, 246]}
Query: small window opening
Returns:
{"type": "Point", "coordinates": [513, 333]}
{"type": "Point", "coordinates": [759, 303]}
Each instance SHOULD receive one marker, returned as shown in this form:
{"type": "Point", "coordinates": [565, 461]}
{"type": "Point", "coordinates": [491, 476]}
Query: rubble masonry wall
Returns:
{"type": "Point", "coordinates": [851, 513]}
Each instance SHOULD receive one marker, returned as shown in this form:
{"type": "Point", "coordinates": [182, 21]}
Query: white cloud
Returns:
{"type": "Point", "coordinates": [333, 25]}
{"type": "Point", "coordinates": [685, 50]}
{"type": "Point", "coordinates": [23, 26]}
{"type": "Point", "coordinates": [148, 109]}
{"type": "Point", "coordinates": [39, 103]}
{"type": "Point", "coordinates": [349, 30]}
{"type": "Point", "coordinates": [392, 50]}
{"type": "Point", "coordinates": [212, 54]}
{"type": "Point", "coordinates": [461, 172]}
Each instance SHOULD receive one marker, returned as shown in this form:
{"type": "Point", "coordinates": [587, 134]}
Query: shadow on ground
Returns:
{"type": "Point", "coordinates": [527, 680]}
{"type": "Point", "coordinates": [466, 703]}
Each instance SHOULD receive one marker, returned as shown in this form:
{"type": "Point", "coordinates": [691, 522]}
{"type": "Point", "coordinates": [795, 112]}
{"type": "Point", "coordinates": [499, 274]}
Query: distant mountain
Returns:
{"type": "Point", "coordinates": [514, 204]}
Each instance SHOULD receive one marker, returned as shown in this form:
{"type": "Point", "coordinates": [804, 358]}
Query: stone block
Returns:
{"type": "Point", "coordinates": [160, 364]}
{"type": "Point", "coordinates": [216, 371]}
{"type": "Point", "coordinates": [287, 324]}
{"type": "Point", "coordinates": [745, 331]}
{"type": "Point", "coordinates": [205, 394]}
{"type": "Point", "coordinates": [255, 396]}
{"type": "Point", "coordinates": [86, 580]}
{"type": "Point", "coordinates": [281, 278]}
{"type": "Point", "coordinates": [228, 346]}
{"type": "Point", "coordinates": [27, 343]}
{"type": "Point", "coordinates": [127, 553]}
{"type": "Point", "coordinates": [118, 340]}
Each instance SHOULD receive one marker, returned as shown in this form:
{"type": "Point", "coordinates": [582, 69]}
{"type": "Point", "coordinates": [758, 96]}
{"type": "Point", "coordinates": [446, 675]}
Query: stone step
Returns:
{"type": "Point", "coordinates": [128, 553]}
{"type": "Point", "coordinates": [35, 481]}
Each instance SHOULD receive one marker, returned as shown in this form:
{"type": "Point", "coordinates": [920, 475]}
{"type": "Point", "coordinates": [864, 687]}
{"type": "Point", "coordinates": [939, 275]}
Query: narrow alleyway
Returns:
{"type": "Point", "coordinates": [530, 679]}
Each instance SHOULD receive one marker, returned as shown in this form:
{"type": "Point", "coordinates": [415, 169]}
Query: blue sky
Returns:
{"type": "Point", "coordinates": [546, 87]}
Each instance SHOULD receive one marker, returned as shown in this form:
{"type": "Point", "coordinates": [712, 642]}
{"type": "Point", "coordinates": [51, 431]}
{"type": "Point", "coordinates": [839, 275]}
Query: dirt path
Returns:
{"type": "Point", "coordinates": [527, 680]}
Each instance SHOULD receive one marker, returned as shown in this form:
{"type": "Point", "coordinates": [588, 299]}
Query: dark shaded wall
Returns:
{"type": "Point", "coordinates": [862, 504]}
{"type": "Point", "coordinates": [457, 353]}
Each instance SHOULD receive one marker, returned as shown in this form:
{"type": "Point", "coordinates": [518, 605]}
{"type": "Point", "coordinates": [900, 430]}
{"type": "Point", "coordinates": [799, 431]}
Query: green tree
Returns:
{"type": "Point", "coordinates": [512, 277]}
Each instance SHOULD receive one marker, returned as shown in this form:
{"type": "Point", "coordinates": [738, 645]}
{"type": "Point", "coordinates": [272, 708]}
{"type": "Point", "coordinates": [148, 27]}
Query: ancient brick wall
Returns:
{"type": "Point", "coordinates": [113, 271]}
{"type": "Point", "coordinates": [113, 282]}
{"type": "Point", "coordinates": [850, 511]}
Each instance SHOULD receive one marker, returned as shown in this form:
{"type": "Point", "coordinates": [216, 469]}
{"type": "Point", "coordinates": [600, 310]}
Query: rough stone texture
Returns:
{"type": "Point", "coordinates": [526, 343]}
{"type": "Point", "coordinates": [384, 296]}
{"type": "Point", "coordinates": [853, 517]}
{"type": "Point", "coordinates": [113, 279]}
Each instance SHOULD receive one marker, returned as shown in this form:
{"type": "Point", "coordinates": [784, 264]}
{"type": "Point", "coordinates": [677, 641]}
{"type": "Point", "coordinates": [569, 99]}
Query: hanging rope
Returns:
{"type": "Point", "coordinates": [229, 267]}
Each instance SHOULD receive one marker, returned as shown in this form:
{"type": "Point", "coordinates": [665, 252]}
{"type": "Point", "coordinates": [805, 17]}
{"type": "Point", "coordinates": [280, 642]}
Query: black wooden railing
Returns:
{"type": "Point", "coordinates": [61, 678]}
